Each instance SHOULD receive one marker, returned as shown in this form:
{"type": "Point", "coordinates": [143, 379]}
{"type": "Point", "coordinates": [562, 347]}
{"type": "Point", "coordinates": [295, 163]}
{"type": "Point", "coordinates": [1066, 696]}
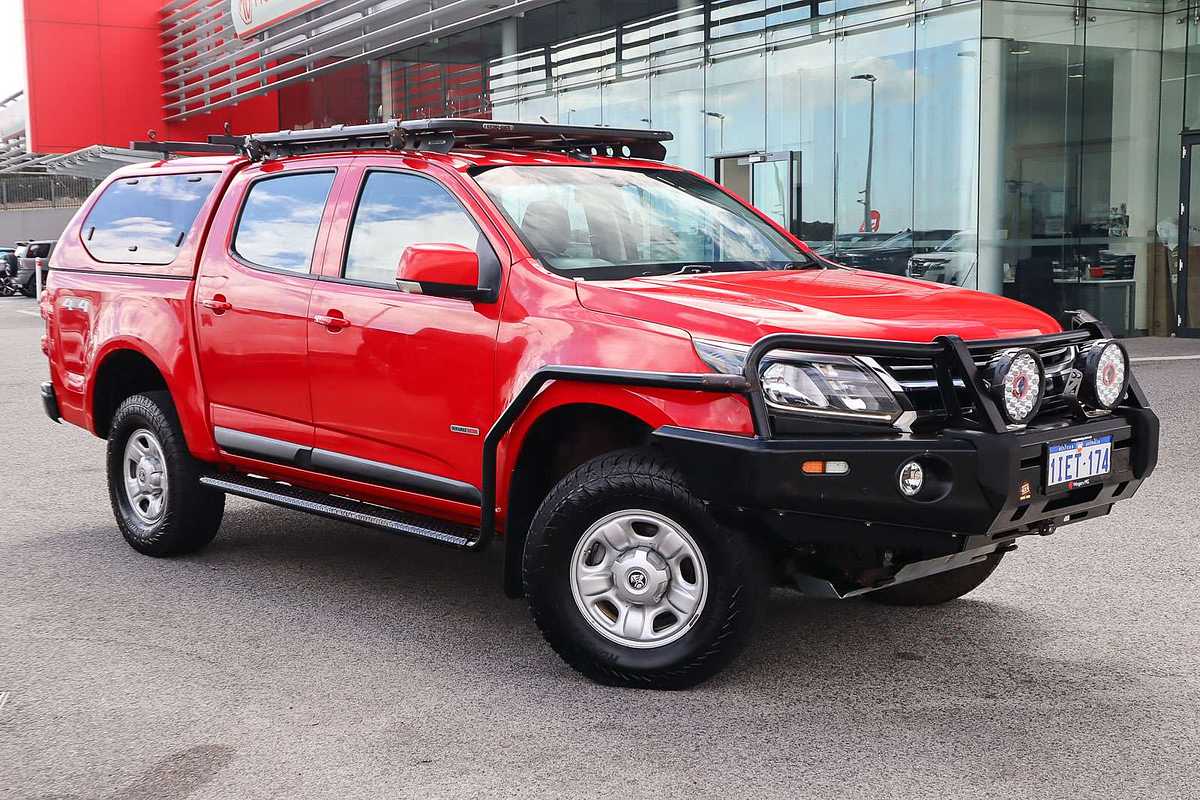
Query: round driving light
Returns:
{"type": "Point", "coordinates": [912, 478]}
{"type": "Point", "coordinates": [1016, 379]}
{"type": "Point", "coordinates": [1105, 374]}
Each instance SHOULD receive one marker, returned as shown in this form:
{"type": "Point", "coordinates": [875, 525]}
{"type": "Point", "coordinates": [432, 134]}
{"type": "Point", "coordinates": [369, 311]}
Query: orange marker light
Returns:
{"type": "Point", "coordinates": [825, 467]}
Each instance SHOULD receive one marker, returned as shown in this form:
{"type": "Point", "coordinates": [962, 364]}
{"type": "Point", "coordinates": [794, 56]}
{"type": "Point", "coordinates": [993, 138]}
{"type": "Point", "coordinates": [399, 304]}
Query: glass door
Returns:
{"type": "Point", "coordinates": [770, 181]}
{"type": "Point", "coordinates": [771, 189]}
{"type": "Point", "coordinates": [1188, 286]}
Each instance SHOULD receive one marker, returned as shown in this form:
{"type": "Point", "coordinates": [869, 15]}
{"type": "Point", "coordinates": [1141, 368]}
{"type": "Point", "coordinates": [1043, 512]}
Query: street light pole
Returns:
{"type": "Point", "coordinates": [866, 201]}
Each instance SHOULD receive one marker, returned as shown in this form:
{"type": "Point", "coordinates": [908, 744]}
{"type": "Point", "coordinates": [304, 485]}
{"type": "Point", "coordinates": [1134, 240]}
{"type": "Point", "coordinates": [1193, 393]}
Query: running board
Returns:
{"type": "Point", "coordinates": [344, 509]}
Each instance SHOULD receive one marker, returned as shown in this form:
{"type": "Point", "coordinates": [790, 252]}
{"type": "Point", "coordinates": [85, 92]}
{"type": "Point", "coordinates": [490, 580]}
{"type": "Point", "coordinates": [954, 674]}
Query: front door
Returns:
{"type": "Point", "coordinates": [1187, 298]}
{"type": "Point", "coordinates": [401, 383]}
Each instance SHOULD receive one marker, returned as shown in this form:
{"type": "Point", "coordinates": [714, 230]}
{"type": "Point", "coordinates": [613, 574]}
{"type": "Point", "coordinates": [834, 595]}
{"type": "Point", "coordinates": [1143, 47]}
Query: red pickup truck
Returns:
{"type": "Point", "coordinates": [661, 401]}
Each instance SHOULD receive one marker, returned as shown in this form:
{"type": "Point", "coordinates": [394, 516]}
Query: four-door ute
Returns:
{"type": "Point", "coordinates": [659, 401]}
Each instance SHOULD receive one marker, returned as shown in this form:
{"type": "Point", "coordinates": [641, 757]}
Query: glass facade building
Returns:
{"type": "Point", "coordinates": [1039, 150]}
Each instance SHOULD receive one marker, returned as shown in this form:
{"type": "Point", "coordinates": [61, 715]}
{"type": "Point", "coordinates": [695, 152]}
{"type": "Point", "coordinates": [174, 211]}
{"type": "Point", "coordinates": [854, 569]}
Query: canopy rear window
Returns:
{"type": "Point", "coordinates": [145, 220]}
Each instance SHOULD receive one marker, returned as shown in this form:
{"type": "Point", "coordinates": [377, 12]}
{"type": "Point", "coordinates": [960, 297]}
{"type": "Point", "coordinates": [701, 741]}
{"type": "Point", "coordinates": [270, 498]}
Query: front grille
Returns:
{"type": "Point", "coordinates": [918, 379]}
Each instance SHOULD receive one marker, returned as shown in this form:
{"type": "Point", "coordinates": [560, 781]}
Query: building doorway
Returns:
{"type": "Point", "coordinates": [1187, 298]}
{"type": "Point", "coordinates": [769, 181]}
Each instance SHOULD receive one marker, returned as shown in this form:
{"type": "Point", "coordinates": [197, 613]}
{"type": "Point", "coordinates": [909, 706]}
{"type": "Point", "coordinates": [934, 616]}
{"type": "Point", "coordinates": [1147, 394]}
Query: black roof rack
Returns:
{"type": "Point", "coordinates": [442, 135]}
{"type": "Point", "coordinates": [437, 135]}
{"type": "Point", "coordinates": [168, 148]}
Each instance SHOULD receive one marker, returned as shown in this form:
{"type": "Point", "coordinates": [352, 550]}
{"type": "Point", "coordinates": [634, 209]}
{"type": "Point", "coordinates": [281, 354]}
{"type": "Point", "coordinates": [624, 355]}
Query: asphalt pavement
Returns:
{"type": "Point", "coordinates": [300, 658]}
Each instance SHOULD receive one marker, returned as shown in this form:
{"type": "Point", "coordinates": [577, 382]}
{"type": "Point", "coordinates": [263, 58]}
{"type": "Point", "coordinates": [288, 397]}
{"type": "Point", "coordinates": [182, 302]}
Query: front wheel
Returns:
{"type": "Point", "coordinates": [154, 484]}
{"type": "Point", "coordinates": [631, 580]}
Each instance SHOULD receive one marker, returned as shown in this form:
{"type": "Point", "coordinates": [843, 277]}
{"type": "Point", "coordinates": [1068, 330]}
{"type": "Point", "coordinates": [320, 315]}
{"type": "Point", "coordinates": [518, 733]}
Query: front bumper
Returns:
{"type": "Point", "coordinates": [990, 484]}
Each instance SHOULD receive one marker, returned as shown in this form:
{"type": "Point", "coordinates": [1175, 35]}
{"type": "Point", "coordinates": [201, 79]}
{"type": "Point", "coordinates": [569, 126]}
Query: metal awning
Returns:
{"type": "Point", "coordinates": [207, 66]}
{"type": "Point", "coordinates": [97, 161]}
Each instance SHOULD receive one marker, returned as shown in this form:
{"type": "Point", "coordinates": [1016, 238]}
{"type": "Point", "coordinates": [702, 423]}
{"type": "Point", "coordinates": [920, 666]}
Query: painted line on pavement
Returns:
{"type": "Point", "coordinates": [1165, 358]}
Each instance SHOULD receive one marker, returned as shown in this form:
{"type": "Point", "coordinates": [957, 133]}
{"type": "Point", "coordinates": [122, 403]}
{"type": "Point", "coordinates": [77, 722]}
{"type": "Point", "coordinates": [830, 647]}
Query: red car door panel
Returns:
{"type": "Point", "coordinates": [401, 384]}
{"type": "Point", "coordinates": [252, 300]}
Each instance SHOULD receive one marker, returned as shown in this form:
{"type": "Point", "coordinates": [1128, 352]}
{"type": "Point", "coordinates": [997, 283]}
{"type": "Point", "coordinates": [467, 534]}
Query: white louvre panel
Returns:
{"type": "Point", "coordinates": [13, 143]}
{"type": "Point", "coordinates": [208, 67]}
{"type": "Point", "coordinates": [96, 161]}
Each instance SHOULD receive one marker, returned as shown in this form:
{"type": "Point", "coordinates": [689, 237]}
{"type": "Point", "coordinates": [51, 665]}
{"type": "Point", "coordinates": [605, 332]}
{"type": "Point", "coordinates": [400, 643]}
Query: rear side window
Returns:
{"type": "Point", "coordinates": [396, 210]}
{"type": "Point", "coordinates": [144, 220]}
{"type": "Point", "coordinates": [280, 219]}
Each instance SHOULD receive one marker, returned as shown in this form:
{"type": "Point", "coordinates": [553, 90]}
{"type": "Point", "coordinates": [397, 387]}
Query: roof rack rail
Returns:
{"type": "Point", "coordinates": [233, 146]}
{"type": "Point", "coordinates": [442, 135]}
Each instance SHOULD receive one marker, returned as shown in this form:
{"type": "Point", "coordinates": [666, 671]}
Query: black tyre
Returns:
{"type": "Point", "coordinates": [633, 582]}
{"type": "Point", "coordinates": [153, 481]}
{"type": "Point", "coordinates": [30, 288]}
{"type": "Point", "coordinates": [940, 588]}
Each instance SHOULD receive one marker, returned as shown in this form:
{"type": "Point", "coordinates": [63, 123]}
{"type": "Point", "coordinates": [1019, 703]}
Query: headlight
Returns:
{"type": "Point", "coordinates": [1015, 379]}
{"type": "Point", "coordinates": [724, 357]}
{"type": "Point", "coordinates": [828, 385]}
{"type": "Point", "coordinates": [1105, 374]}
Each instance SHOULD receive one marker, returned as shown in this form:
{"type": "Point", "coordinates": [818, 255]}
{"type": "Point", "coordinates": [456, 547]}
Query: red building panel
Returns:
{"type": "Point", "coordinates": [95, 77]}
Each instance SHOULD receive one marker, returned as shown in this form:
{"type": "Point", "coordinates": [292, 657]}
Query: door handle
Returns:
{"type": "Point", "coordinates": [331, 322]}
{"type": "Point", "coordinates": [217, 303]}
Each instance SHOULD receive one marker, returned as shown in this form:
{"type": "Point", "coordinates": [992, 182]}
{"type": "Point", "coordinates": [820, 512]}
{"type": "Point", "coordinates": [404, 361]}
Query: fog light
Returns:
{"type": "Point", "coordinates": [912, 478]}
{"type": "Point", "coordinates": [1015, 379]}
{"type": "Point", "coordinates": [1105, 374]}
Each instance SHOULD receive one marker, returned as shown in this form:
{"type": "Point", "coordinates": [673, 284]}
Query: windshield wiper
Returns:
{"type": "Point", "coordinates": [686, 269]}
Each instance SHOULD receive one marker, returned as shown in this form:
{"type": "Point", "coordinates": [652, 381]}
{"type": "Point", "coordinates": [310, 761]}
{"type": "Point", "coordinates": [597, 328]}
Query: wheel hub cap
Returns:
{"type": "Point", "coordinates": [639, 579]}
{"type": "Point", "coordinates": [145, 476]}
{"type": "Point", "coordinates": [640, 575]}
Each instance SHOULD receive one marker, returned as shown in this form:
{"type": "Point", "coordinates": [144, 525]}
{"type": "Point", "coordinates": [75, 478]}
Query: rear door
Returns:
{"type": "Point", "coordinates": [251, 305]}
{"type": "Point", "coordinates": [402, 386]}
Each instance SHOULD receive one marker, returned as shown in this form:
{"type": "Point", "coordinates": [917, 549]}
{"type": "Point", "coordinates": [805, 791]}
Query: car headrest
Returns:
{"type": "Point", "coordinates": [547, 227]}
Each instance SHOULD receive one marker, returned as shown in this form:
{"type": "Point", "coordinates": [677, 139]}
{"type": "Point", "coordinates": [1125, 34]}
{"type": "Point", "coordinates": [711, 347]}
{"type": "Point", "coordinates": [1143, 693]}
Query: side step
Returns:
{"type": "Point", "coordinates": [343, 508]}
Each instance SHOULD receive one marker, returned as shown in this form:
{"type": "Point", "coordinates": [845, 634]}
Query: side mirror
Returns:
{"type": "Point", "coordinates": [442, 270]}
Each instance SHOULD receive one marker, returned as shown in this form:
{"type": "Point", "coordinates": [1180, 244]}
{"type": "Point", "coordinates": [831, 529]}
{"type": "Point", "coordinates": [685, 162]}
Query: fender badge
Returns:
{"type": "Point", "coordinates": [466, 429]}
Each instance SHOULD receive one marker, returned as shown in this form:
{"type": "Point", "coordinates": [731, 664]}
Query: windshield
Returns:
{"type": "Point", "coordinates": [902, 239]}
{"type": "Point", "coordinates": [959, 241]}
{"type": "Point", "coordinates": [601, 223]}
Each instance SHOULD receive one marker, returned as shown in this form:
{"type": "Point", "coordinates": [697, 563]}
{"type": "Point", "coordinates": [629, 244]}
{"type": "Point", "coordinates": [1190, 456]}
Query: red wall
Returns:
{"type": "Point", "coordinates": [95, 77]}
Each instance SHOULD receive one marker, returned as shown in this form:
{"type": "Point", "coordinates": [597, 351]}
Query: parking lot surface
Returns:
{"type": "Point", "coordinates": [298, 657]}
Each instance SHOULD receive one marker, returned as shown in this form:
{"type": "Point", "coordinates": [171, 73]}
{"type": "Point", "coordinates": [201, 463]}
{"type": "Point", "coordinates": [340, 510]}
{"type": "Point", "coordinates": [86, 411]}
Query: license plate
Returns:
{"type": "Point", "coordinates": [1078, 461]}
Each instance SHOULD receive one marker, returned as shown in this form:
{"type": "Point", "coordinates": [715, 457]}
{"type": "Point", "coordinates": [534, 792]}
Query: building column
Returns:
{"type": "Point", "coordinates": [1135, 164]}
{"type": "Point", "coordinates": [386, 90]}
{"type": "Point", "coordinates": [993, 57]}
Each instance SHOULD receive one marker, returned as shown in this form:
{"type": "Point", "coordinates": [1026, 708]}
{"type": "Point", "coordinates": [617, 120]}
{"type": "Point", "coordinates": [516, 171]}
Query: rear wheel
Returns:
{"type": "Point", "coordinates": [153, 481]}
{"type": "Point", "coordinates": [631, 580]}
{"type": "Point", "coordinates": [937, 589]}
